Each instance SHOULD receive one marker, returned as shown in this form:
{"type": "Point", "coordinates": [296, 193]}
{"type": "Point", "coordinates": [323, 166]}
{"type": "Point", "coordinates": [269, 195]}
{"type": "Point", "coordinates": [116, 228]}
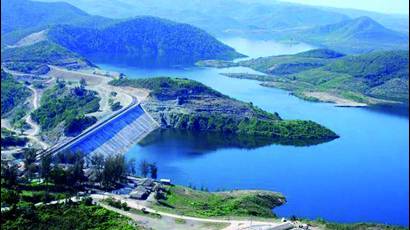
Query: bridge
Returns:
{"type": "Point", "coordinates": [115, 134]}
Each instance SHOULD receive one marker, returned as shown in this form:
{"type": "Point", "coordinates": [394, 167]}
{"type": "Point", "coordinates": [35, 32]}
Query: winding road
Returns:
{"type": "Point", "coordinates": [32, 133]}
{"type": "Point", "coordinates": [233, 224]}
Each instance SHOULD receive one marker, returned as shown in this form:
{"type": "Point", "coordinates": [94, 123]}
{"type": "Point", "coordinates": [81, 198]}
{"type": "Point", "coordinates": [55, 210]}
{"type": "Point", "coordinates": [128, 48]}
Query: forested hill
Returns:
{"type": "Point", "coordinates": [143, 41]}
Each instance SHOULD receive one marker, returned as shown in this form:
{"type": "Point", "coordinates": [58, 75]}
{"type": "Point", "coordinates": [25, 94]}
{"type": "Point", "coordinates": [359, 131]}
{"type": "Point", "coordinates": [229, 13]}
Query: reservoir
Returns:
{"type": "Point", "coordinates": [360, 177]}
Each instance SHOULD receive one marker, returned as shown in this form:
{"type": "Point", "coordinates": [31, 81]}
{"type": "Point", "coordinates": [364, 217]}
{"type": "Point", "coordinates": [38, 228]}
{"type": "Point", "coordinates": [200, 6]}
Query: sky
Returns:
{"type": "Point", "coordinates": [382, 6]}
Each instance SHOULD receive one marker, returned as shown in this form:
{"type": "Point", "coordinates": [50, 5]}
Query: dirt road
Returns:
{"type": "Point", "coordinates": [233, 224]}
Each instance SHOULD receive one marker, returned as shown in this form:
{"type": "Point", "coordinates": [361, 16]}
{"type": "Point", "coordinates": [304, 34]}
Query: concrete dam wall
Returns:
{"type": "Point", "coordinates": [115, 136]}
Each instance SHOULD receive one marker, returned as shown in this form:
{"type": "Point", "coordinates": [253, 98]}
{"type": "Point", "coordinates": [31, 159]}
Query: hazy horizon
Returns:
{"type": "Point", "coordinates": [380, 6]}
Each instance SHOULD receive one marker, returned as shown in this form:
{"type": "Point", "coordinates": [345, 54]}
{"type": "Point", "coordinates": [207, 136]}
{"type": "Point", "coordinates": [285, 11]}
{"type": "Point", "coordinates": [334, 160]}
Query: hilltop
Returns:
{"type": "Point", "coordinates": [33, 58]}
{"type": "Point", "coordinates": [143, 41]}
{"type": "Point", "coordinates": [289, 64]}
{"type": "Point", "coordinates": [358, 35]}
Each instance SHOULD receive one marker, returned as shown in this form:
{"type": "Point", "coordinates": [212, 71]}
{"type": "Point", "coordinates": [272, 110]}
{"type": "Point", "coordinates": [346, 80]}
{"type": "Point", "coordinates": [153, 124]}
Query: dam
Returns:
{"type": "Point", "coordinates": [114, 135]}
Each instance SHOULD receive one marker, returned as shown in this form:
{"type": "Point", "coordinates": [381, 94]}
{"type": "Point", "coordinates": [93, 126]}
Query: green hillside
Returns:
{"type": "Point", "coordinates": [44, 52]}
{"type": "Point", "coordinates": [13, 93]}
{"type": "Point", "coordinates": [369, 78]}
{"type": "Point", "coordinates": [290, 64]}
{"type": "Point", "coordinates": [69, 105]}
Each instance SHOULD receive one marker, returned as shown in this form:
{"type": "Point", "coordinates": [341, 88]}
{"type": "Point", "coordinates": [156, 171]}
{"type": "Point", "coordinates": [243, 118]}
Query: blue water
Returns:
{"type": "Point", "coordinates": [362, 176]}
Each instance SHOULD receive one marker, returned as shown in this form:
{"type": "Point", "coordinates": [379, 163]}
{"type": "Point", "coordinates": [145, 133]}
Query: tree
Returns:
{"type": "Point", "coordinates": [29, 159]}
{"type": "Point", "coordinates": [115, 168]}
{"type": "Point", "coordinates": [83, 82]}
{"type": "Point", "coordinates": [58, 176]}
{"type": "Point", "coordinates": [8, 174]}
{"type": "Point", "coordinates": [144, 168]}
{"type": "Point", "coordinates": [153, 170]}
{"type": "Point", "coordinates": [10, 197]}
{"type": "Point", "coordinates": [76, 172]}
{"type": "Point", "coordinates": [97, 166]}
{"type": "Point", "coordinates": [131, 167]}
{"type": "Point", "coordinates": [46, 167]}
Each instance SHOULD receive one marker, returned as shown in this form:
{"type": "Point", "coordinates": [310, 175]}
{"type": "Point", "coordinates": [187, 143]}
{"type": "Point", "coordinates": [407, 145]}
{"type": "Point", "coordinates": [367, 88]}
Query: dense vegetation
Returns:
{"type": "Point", "coordinates": [69, 105]}
{"type": "Point", "coordinates": [13, 93]}
{"type": "Point", "coordinates": [9, 138]}
{"type": "Point", "coordinates": [27, 67]}
{"type": "Point", "coordinates": [66, 216]}
{"type": "Point", "coordinates": [143, 41]}
{"type": "Point", "coordinates": [292, 129]}
{"type": "Point", "coordinates": [78, 124]}
{"type": "Point", "coordinates": [191, 202]}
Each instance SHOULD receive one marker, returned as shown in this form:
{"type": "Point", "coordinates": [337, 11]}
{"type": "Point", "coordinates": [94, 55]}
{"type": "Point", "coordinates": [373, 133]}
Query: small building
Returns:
{"type": "Point", "coordinates": [140, 193]}
{"type": "Point", "coordinates": [122, 191]}
{"type": "Point", "coordinates": [165, 181]}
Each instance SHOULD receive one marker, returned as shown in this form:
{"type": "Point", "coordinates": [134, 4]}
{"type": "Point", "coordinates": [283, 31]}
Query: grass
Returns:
{"type": "Point", "coordinates": [66, 216]}
{"type": "Point", "coordinates": [186, 201]}
{"type": "Point", "coordinates": [322, 224]}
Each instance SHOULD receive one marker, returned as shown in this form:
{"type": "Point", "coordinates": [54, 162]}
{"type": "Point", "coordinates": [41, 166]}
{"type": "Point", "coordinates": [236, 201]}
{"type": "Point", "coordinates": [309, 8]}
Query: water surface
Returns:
{"type": "Point", "coordinates": [362, 176]}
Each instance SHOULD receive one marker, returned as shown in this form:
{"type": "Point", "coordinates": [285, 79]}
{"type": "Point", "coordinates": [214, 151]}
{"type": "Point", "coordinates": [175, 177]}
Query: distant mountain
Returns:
{"type": "Point", "coordinates": [218, 17]}
{"type": "Point", "coordinates": [236, 17]}
{"type": "Point", "coordinates": [146, 41]}
{"type": "Point", "coordinates": [357, 35]}
{"type": "Point", "coordinates": [395, 22]}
